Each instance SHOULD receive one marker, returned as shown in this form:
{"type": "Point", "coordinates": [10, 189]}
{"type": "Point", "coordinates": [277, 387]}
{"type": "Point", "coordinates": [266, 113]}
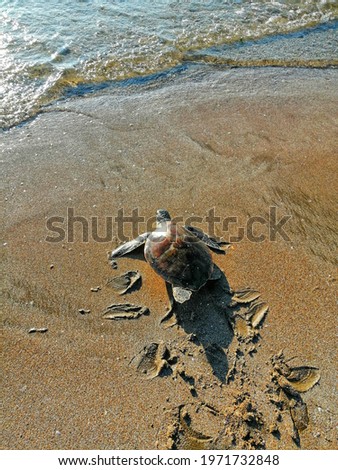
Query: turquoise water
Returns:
{"type": "Point", "coordinates": [48, 48]}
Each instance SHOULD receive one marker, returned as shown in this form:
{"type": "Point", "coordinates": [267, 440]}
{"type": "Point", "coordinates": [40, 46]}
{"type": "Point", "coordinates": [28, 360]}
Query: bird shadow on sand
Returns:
{"type": "Point", "coordinates": [204, 316]}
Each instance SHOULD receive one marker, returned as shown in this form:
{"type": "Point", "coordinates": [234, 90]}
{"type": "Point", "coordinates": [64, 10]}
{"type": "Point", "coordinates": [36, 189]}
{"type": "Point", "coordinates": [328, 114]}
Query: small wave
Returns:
{"type": "Point", "coordinates": [113, 42]}
{"type": "Point", "coordinates": [222, 61]}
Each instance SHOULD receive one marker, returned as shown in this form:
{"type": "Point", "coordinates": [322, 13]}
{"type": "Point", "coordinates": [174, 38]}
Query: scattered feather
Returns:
{"type": "Point", "coordinates": [124, 311]}
{"type": "Point", "coordinates": [257, 313]}
{"type": "Point", "coordinates": [244, 296]}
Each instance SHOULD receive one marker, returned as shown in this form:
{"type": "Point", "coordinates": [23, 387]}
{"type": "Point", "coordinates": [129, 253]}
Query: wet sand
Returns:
{"type": "Point", "coordinates": [238, 141]}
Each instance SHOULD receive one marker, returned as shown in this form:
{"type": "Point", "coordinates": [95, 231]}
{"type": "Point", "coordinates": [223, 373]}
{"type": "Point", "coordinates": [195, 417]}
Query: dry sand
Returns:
{"type": "Point", "coordinates": [239, 141]}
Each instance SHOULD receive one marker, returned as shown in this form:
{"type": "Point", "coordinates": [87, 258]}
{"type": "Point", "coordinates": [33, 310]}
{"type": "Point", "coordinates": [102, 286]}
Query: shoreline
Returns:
{"type": "Point", "coordinates": [306, 47]}
{"type": "Point", "coordinates": [239, 141]}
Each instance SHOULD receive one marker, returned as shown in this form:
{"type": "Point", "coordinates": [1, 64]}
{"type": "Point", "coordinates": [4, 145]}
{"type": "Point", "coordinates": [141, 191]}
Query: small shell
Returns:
{"type": "Point", "coordinates": [244, 296]}
{"type": "Point", "coordinates": [303, 378]}
{"type": "Point", "coordinates": [95, 289]}
{"type": "Point", "coordinates": [38, 330]}
{"type": "Point", "coordinates": [83, 311]}
{"type": "Point", "coordinates": [124, 311]}
{"type": "Point", "coordinates": [181, 295]}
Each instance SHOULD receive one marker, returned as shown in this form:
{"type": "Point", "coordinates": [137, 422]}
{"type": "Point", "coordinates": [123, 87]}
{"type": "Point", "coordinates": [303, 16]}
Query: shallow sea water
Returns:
{"type": "Point", "coordinates": [50, 50]}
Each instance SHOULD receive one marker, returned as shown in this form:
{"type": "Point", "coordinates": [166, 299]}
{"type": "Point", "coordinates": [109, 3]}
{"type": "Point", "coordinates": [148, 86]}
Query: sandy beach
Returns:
{"type": "Point", "coordinates": [236, 142]}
